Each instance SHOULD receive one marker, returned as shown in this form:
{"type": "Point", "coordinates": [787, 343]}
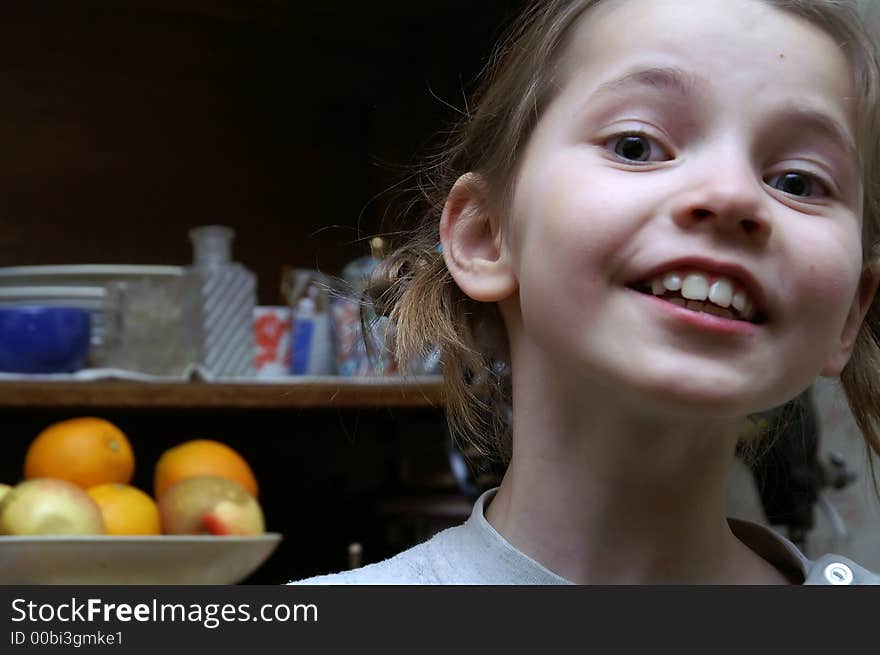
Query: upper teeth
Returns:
{"type": "Point", "coordinates": [696, 286]}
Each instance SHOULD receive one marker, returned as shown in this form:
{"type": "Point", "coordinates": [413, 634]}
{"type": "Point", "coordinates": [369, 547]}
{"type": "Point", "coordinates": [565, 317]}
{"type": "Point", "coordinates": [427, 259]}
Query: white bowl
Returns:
{"type": "Point", "coordinates": [158, 560]}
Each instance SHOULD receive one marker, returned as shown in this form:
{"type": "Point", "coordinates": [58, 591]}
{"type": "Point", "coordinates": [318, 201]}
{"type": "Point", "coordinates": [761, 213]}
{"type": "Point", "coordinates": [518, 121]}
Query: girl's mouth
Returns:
{"type": "Point", "coordinates": [678, 309]}
{"type": "Point", "coordinates": [703, 293]}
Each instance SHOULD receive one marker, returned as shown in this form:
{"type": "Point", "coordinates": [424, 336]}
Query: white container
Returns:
{"type": "Point", "coordinates": [228, 299]}
{"type": "Point", "coordinates": [312, 351]}
{"type": "Point", "coordinates": [312, 344]}
{"type": "Point", "coordinates": [272, 328]}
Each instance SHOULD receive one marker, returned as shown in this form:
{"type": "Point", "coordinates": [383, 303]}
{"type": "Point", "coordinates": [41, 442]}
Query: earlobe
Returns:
{"type": "Point", "coordinates": [859, 309]}
{"type": "Point", "coordinates": [472, 245]}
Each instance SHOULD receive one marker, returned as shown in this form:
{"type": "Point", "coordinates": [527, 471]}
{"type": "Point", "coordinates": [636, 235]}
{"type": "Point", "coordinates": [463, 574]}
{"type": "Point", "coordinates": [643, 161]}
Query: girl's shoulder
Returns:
{"type": "Point", "coordinates": [406, 568]}
{"type": "Point", "coordinates": [833, 569]}
{"type": "Point", "coordinates": [420, 565]}
{"type": "Point", "coordinates": [471, 553]}
{"type": "Point", "coordinates": [829, 569]}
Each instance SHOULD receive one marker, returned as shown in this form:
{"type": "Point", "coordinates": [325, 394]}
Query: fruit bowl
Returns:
{"type": "Point", "coordinates": [154, 560]}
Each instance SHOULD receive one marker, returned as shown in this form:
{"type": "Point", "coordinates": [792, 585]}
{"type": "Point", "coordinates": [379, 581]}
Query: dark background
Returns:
{"type": "Point", "coordinates": [124, 123]}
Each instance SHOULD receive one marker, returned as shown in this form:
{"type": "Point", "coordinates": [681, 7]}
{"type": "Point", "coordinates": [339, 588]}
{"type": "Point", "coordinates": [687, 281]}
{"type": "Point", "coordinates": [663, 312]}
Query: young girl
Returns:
{"type": "Point", "coordinates": [659, 219]}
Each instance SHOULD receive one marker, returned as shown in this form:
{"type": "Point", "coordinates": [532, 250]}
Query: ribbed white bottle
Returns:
{"type": "Point", "coordinates": [228, 298]}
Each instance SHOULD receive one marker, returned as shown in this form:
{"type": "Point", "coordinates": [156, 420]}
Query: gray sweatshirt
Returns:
{"type": "Point", "coordinates": [474, 553]}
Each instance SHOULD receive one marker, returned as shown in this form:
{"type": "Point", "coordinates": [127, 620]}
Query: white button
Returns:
{"type": "Point", "coordinates": [837, 573]}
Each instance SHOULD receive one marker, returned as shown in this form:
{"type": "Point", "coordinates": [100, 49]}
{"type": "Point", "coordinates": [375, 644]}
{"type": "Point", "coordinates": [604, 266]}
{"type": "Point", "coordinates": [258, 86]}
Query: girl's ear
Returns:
{"type": "Point", "coordinates": [860, 306]}
{"type": "Point", "coordinates": [472, 245]}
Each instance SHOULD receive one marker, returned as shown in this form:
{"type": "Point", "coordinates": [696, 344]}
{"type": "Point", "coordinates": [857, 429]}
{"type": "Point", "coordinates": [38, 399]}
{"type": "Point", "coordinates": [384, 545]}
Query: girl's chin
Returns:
{"type": "Point", "coordinates": [693, 401]}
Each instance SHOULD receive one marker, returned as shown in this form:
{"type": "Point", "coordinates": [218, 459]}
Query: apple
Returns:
{"type": "Point", "coordinates": [207, 504]}
{"type": "Point", "coordinates": [48, 506]}
{"type": "Point", "coordinates": [3, 489]}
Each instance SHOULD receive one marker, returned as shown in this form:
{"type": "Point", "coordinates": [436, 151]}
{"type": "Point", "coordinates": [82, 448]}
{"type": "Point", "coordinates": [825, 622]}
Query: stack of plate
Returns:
{"type": "Point", "coordinates": [82, 286]}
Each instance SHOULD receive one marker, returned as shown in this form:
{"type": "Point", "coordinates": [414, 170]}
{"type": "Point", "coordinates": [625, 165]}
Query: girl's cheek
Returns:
{"type": "Point", "coordinates": [813, 266]}
{"type": "Point", "coordinates": [823, 287]}
{"type": "Point", "coordinates": [829, 279]}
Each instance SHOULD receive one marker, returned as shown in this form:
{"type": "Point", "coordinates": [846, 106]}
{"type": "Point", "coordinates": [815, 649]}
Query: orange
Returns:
{"type": "Point", "coordinates": [202, 457]}
{"type": "Point", "coordinates": [126, 510]}
{"type": "Point", "coordinates": [86, 451]}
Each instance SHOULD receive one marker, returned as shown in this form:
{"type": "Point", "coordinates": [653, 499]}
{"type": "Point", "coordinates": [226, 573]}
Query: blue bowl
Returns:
{"type": "Point", "coordinates": [42, 339]}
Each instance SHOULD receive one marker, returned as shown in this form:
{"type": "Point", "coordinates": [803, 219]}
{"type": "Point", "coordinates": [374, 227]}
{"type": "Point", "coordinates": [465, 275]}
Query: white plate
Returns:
{"type": "Point", "coordinates": [89, 297]}
{"type": "Point", "coordinates": [82, 274]}
{"type": "Point", "coordinates": [159, 560]}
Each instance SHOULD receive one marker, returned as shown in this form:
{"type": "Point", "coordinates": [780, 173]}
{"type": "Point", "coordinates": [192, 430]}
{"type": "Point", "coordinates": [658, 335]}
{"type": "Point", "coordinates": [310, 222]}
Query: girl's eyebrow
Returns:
{"type": "Point", "coordinates": [820, 123]}
{"type": "Point", "coordinates": [663, 78]}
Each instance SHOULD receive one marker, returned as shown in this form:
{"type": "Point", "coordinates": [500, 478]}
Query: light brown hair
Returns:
{"type": "Point", "coordinates": [415, 289]}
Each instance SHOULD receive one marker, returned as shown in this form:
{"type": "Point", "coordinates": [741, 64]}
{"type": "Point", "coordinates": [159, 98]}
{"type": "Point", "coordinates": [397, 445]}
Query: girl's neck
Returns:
{"type": "Point", "coordinates": [600, 492]}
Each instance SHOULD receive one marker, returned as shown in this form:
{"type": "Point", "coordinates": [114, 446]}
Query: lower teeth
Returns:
{"type": "Point", "coordinates": [696, 305]}
{"type": "Point", "coordinates": [702, 307]}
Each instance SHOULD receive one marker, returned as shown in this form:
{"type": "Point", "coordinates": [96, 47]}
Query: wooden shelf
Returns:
{"type": "Point", "coordinates": [307, 393]}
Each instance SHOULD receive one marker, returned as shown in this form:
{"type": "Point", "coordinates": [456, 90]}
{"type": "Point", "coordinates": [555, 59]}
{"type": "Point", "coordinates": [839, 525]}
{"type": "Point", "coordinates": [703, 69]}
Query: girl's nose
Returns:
{"type": "Point", "coordinates": [729, 197]}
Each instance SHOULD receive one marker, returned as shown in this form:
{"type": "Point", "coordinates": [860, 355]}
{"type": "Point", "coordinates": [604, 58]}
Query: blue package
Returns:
{"type": "Point", "coordinates": [301, 346]}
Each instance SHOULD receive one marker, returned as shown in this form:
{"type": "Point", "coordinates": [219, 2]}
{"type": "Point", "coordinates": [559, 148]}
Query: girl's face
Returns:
{"type": "Point", "coordinates": [712, 140]}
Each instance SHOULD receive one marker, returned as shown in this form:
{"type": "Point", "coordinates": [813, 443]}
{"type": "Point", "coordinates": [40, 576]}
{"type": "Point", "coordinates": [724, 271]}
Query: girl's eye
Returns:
{"type": "Point", "coordinates": [798, 184]}
{"type": "Point", "coordinates": [637, 148]}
